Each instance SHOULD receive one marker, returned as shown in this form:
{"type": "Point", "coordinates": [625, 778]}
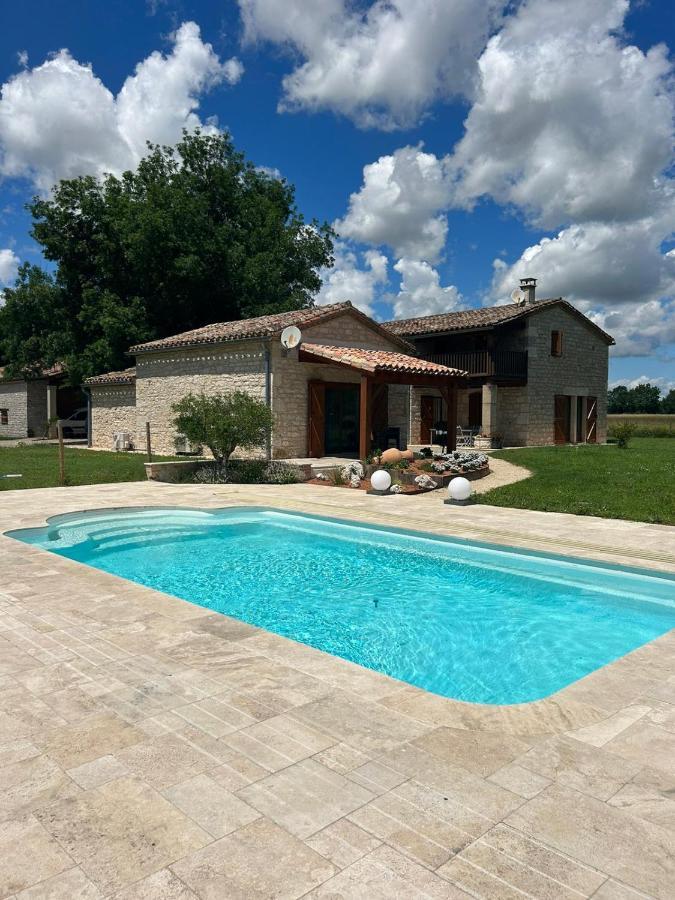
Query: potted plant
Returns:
{"type": "Point", "coordinates": [487, 441]}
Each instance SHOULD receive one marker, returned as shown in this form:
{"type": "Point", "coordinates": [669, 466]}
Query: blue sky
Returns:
{"type": "Point", "coordinates": [498, 140]}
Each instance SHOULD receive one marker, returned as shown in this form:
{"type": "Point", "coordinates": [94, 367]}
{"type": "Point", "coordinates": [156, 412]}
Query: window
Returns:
{"type": "Point", "coordinates": [556, 343]}
{"type": "Point", "coordinates": [4, 417]}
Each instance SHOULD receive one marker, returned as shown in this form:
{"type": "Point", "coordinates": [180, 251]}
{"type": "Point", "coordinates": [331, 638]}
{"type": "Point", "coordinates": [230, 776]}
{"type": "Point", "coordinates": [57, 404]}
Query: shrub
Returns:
{"type": "Point", "coordinates": [623, 432]}
{"type": "Point", "coordinates": [336, 477]}
{"type": "Point", "coordinates": [223, 422]}
{"type": "Point", "coordinates": [426, 452]}
{"type": "Point", "coordinates": [277, 472]}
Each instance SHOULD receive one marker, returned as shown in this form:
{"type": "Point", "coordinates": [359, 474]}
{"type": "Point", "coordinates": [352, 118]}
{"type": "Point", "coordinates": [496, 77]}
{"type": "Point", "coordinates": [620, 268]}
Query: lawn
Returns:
{"type": "Point", "coordinates": [39, 466]}
{"type": "Point", "coordinates": [594, 480]}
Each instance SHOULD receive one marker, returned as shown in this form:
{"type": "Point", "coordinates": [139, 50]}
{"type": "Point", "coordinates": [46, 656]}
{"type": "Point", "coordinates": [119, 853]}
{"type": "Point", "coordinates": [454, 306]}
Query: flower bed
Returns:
{"type": "Point", "coordinates": [416, 477]}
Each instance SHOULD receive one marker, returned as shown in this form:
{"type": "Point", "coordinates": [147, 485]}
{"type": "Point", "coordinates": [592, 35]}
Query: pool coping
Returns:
{"type": "Point", "coordinates": [592, 715]}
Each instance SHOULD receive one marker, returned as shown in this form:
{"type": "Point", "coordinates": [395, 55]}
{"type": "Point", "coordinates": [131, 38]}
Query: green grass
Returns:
{"type": "Point", "coordinates": [646, 424]}
{"type": "Point", "coordinates": [593, 480]}
{"type": "Point", "coordinates": [39, 466]}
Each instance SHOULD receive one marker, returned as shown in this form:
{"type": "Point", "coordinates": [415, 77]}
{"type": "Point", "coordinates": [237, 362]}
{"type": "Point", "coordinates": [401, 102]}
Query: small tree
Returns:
{"type": "Point", "coordinates": [223, 422]}
{"type": "Point", "coordinates": [623, 432]}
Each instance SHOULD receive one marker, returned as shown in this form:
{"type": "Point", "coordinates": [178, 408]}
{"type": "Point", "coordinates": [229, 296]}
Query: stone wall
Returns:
{"type": "Point", "coordinates": [581, 371]}
{"type": "Point", "coordinates": [113, 408]}
{"type": "Point", "coordinates": [290, 400]}
{"type": "Point", "coordinates": [512, 415]}
{"type": "Point", "coordinates": [26, 405]}
{"type": "Point", "coordinates": [13, 398]}
{"type": "Point", "coordinates": [164, 378]}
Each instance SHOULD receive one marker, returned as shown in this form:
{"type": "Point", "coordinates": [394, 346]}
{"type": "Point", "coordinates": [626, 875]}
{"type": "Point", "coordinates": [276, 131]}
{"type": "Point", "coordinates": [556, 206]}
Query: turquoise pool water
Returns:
{"type": "Point", "coordinates": [470, 621]}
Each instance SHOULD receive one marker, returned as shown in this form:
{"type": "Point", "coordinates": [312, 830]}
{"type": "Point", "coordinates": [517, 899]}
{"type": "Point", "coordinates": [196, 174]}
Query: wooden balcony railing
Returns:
{"type": "Point", "coordinates": [489, 363]}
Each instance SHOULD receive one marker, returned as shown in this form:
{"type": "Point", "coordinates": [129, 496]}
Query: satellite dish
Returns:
{"type": "Point", "coordinates": [518, 296]}
{"type": "Point", "coordinates": [291, 337]}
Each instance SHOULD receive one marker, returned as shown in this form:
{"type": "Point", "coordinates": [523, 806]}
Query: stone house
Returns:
{"type": "Point", "coordinates": [535, 372]}
{"type": "Point", "coordinates": [343, 390]}
{"type": "Point", "coordinates": [28, 404]}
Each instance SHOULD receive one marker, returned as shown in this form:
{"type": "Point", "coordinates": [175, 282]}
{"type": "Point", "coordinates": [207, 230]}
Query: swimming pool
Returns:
{"type": "Point", "coordinates": [471, 621]}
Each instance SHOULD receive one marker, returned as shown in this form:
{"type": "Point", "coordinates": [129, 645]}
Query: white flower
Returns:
{"type": "Point", "coordinates": [353, 469]}
{"type": "Point", "coordinates": [322, 476]}
{"type": "Point", "coordinates": [396, 489]}
{"type": "Point", "coordinates": [355, 481]}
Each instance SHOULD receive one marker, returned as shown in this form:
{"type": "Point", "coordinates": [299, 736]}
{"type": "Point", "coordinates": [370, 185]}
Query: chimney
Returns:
{"type": "Point", "coordinates": [528, 286]}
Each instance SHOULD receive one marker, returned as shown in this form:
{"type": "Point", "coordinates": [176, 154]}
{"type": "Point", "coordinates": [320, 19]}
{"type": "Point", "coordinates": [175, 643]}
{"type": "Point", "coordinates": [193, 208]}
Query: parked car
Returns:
{"type": "Point", "coordinates": [75, 425]}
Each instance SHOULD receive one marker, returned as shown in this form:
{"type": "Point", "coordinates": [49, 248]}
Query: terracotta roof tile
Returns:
{"type": "Point", "coordinates": [126, 376]}
{"type": "Point", "coordinates": [467, 319]}
{"type": "Point", "coordinates": [379, 360]}
{"type": "Point", "coordinates": [259, 327]}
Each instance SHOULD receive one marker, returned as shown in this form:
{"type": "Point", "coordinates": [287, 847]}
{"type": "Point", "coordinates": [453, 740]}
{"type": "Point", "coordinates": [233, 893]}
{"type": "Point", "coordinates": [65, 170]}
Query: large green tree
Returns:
{"type": "Point", "coordinates": [196, 234]}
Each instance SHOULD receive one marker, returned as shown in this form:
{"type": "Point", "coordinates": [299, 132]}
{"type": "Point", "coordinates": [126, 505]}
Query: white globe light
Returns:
{"type": "Point", "coordinates": [380, 480]}
{"type": "Point", "coordinates": [459, 489]}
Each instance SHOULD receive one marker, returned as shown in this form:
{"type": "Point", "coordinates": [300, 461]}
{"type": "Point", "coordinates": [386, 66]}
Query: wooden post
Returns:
{"type": "Point", "coordinates": [451, 402]}
{"type": "Point", "coordinates": [62, 459]}
{"type": "Point", "coordinates": [364, 418]}
{"type": "Point", "coordinates": [148, 445]}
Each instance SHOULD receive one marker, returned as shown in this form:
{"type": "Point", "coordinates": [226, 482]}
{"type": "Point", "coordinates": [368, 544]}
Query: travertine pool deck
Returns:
{"type": "Point", "coordinates": [151, 749]}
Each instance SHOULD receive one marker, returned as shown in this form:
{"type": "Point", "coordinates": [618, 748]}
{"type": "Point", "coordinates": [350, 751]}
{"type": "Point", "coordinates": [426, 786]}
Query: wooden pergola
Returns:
{"type": "Point", "coordinates": [380, 367]}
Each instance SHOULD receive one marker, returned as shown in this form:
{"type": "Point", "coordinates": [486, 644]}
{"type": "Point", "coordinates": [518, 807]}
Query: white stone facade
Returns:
{"type": "Point", "coordinates": [113, 409]}
{"type": "Point", "coordinates": [26, 405]}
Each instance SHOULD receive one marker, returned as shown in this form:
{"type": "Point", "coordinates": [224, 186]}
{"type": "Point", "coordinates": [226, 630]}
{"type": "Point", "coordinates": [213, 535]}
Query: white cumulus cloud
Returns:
{"type": "Point", "coordinates": [9, 266]}
{"type": "Point", "coordinates": [617, 273]}
{"type": "Point", "coordinates": [382, 65]}
{"type": "Point", "coordinates": [58, 119]}
{"type": "Point", "coordinates": [570, 123]}
{"type": "Point", "coordinates": [400, 204]}
{"type": "Point", "coordinates": [421, 292]}
{"type": "Point", "coordinates": [353, 277]}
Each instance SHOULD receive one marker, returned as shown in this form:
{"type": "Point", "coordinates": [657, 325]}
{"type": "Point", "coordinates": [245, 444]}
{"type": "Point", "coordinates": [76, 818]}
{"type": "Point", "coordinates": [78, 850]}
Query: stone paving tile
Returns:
{"type": "Point", "coordinates": [256, 862]}
{"type": "Point", "coordinates": [503, 863]}
{"type": "Point", "coordinates": [165, 761]}
{"type": "Point", "coordinates": [31, 784]}
{"type": "Point", "coordinates": [342, 843]}
{"type": "Point", "coordinates": [342, 758]}
{"type": "Point", "coordinates": [70, 885]}
{"type": "Point", "coordinates": [163, 885]}
{"type": "Point", "coordinates": [647, 802]}
{"type": "Point", "coordinates": [481, 752]}
{"type": "Point", "coordinates": [599, 734]}
{"type": "Point", "coordinates": [459, 785]}
{"type": "Point", "coordinates": [365, 725]}
{"type": "Point", "coordinates": [376, 777]}
{"type": "Point", "coordinates": [384, 874]}
{"type": "Point", "coordinates": [648, 745]}
{"type": "Point", "coordinates": [80, 742]}
{"type": "Point", "coordinates": [595, 772]}
{"type": "Point", "coordinates": [519, 780]}
{"type": "Point", "coordinates": [97, 772]}
{"type": "Point", "coordinates": [305, 797]}
{"type": "Point", "coordinates": [212, 807]}
{"type": "Point", "coordinates": [422, 823]}
{"type": "Point", "coordinates": [638, 853]}
{"type": "Point", "coordinates": [121, 832]}
{"type": "Point", "coordinates": [28, 854]}
{"type": "Point", "coordinates": [275, 746]}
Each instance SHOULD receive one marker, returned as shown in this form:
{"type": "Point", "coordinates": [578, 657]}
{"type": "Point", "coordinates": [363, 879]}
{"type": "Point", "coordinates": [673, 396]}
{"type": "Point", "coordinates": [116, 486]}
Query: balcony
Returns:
{"type": "Point", "coordinates": [485, 363]}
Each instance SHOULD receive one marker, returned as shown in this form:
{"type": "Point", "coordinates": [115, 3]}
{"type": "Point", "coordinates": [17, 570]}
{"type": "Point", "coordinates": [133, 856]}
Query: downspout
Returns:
{"type": "Point", "coordinates": [268, 395]}
{"type": "Point", "coordinates": [87, 393]}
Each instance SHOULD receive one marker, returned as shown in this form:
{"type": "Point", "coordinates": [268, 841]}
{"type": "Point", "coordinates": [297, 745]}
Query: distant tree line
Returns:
{"type": "Point", "coordinates": [643, 398]}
